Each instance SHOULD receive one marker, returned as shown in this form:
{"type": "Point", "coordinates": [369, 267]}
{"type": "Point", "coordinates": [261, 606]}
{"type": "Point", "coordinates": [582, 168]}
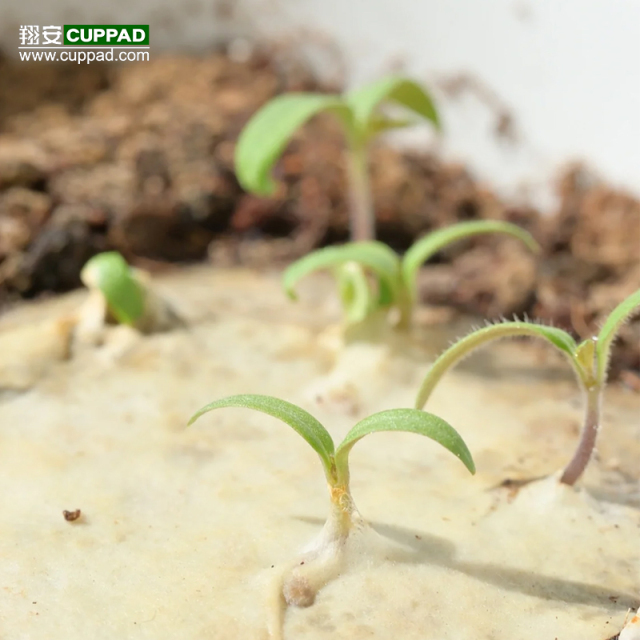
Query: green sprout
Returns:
{"type": "Point", "coordinates": [589, 359]}
{"type": "Point", "coordinates": [322, 561]}
{"type": "Point", "coordinates": [266, 135]}
{"type": "Point", "coordinates": [371, 276]}
{"type": "Point", "coordinates": [110, 274]}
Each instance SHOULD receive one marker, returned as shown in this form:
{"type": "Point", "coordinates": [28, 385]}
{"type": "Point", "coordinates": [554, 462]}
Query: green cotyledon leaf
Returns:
{"type": "Point", "coordinates": [375, 256]}
{"type": "Point", "coordinates": [611, 327]}
{"type": "Point", "coordinates": [357, 298]}
{"type": "Point", "coordinates": [395, 89]}
{"type": "Point", "coordinates": [411, 421]}
{"type": "Point", "coordinates": [266, 135]}
{"type": "Point", "coordinates": [298, 419]}
{"type": "Point", "coordinates": [110, 273]}
{"type": "Point", "coordinates": [426, 247]}
{"type": "Point", "coordinates": [463, 347]}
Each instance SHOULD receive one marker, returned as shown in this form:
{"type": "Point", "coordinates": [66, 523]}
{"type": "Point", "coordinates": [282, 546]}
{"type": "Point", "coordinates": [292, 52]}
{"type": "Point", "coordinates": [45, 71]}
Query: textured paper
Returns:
{"type": "Point", "coordinates": [183, 530]}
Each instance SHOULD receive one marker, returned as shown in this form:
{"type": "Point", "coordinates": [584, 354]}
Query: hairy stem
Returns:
{"type": "Point", "coordinates": [362, 219]}
{"type": "Point", "coordinates": [587, 443]}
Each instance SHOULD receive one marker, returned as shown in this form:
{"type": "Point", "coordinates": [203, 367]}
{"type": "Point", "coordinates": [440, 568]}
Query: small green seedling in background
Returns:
{"type": "Point", "coordinates": [266, 135]}
{"type": "Point", "coordinates": [323, 560]}
{"type": "Point", "coordinates": [394, 278]}
{"type": "Point", "coordinates": [124, 294]}
{"type": "Point", "coordinates": [590, 361]}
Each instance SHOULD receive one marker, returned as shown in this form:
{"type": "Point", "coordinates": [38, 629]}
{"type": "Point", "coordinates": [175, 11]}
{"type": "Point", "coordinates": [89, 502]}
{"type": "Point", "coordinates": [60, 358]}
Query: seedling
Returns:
{"type": "Point", "coordinates": [323, 560]}
{"type": "Point", "coordinates": [266, 135]}
{"type": "Point", "coordinates": [394, 278]}
{"type": "Point", "coordinates": [124, 295]}
{"type": "Point", "coordinates": [116, 280]}
{"type": "Point", "coordinates": [589, 359]}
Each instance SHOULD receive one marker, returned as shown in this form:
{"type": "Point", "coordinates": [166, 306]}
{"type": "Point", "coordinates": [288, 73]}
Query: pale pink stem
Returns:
{"type": "Point", "coordinates": [583, 453]}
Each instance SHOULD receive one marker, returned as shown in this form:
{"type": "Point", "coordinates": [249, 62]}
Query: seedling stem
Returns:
{"type": "Point", "coordinates": [587, 443]}
{"type": "Point", "coordinates": [362, 222]}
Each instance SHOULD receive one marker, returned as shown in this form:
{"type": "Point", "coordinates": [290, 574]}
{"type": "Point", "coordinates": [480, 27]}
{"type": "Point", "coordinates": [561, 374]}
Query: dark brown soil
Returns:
{"type": "Point", "coordinates": [140, 158]}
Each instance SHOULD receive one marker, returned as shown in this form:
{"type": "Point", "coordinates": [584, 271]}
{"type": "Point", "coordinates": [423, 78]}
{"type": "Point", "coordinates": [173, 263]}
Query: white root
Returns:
{"type": "Point", "coordinates": [631, 629]}
{"type": "Point", "coordinates": [298, 583]}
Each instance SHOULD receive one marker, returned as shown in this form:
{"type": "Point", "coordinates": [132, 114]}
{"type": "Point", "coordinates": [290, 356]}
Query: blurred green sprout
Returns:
{"type": "Point", "coordinates": [110, 274]}
{"type": "Point", "coordinates": [266, 135]}
{"type": "Point", "coordinates": [589, 359]}
{"type": "Point", "coordinates": [372, 277]}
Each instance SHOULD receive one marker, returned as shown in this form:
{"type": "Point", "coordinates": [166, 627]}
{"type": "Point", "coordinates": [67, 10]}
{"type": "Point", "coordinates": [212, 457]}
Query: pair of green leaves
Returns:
{"type": "Point", "coordinates": [352, 265]}
{"type": "Point", "coordinates": [266, 135]}
{"type": "Point", "coordinates": [394, 278]}
{"type": "Point", "coordinates": [590, 358]}
{"type": "Point", "coordinates": [110, 274]}
{"type": "Point", "coordinates": [335, 460]}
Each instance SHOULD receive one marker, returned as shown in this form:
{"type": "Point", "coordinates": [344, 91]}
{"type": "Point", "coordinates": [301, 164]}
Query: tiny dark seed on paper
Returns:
{"type": "Point", "coordinates": [70, 516]}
